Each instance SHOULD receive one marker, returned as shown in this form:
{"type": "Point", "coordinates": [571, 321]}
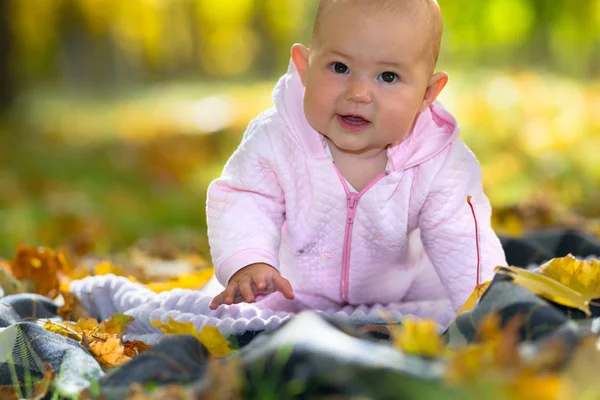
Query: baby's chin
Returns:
{"type": "Point", "coordinates": [351, 147]}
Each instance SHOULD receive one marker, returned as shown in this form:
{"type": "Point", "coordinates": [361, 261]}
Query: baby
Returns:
{"type": "Point", "coordinates": [354, 189]}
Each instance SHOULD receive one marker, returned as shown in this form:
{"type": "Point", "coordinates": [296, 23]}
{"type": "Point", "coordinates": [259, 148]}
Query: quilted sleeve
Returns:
{"type": "Point", "coordinates": [245, 207]}
{"type": "Point", "coordinates": [459, 252]}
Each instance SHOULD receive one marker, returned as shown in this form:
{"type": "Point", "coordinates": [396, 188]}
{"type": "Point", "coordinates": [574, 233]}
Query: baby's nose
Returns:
{"type": "Point", "coordinates": [359, 91]}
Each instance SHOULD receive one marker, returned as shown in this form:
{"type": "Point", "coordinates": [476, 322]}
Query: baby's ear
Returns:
{"type": "Point", "coordinates": [300, 59]}
{"type": "Point", "coordinates": [435, 86]}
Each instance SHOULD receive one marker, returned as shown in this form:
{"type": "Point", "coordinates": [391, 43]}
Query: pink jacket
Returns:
{"type": "Point", "coordinates": [282, 201]}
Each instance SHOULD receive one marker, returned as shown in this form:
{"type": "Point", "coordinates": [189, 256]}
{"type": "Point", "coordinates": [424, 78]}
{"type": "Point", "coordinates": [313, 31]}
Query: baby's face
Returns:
{"type": "Point", "coordinates": [366, 78]}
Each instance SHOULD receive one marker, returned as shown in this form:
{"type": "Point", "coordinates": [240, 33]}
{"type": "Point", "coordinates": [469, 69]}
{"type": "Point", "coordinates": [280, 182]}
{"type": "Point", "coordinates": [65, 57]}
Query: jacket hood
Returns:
{"type": "Point", "coordinates": [434, 129]}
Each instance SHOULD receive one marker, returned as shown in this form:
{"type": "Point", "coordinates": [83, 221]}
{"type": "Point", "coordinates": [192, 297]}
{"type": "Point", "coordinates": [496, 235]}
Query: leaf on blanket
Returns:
{"type": "Point", "coordinates": [194, 280]}
{"type": "Point", "coordinates": [116, 324]}
{"type": "Point", "coordinates": [419, 337]}
{"type": "Point", "coordinates": [41, 266]}
{"type": "Point", "coordinates": [547, 288]}
{"type": "Point", "coordinates": [476, 295]}
{"type": "Point", "coordinates": [106, 348]}
{"type": "Point", "coordinates": [579, 275]}
{"type": "Point", "coordinates": [135, 347]}
{"type": "Point", "coordinates": [65, 329]}
{"type": "Point", "coordinates": [72, 310]}
{"type": "Point", "coordinates": [210, 336]}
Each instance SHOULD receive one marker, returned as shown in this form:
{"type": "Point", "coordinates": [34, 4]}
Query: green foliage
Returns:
{"type": "Point", "coordinates": [100, 40]}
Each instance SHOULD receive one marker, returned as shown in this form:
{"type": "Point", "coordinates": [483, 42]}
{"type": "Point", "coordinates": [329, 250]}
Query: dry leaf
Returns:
{"type": "Point", "coordinates": [72, 310]}
{"type": "Point", "coordinates": [133, 348]}
{"type": "Point", "coordinates": [529, 385]}
{"type": "Point", "coordinates": [107, 349]}
{"type": "Point", "coordinates": [106, 267]}
{"type": "Point", "coordinates": [40, 388]}
{"type": "Point", "coordinates": [195, 280]}
{"type": "Point", "coordinates": [419, 337]}
{"type": "Point", "coordinates": [581, 276]}
{"type": "Point", "coordinates": [547, 288]}
{"type": "Point", "coordinates": [476, 295]}
{"type": "Point", "coordinates": [41, 266]}
{"type": "Point", "coordinates": [64, 329]}
{"type": "Point", "coordinates": [116, 324]}
{"type": "Point", "coordinates": [210, 336]}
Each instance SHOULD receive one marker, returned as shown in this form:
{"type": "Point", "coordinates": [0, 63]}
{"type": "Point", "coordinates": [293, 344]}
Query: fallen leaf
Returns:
{"type": "Point", "coordinates": [135, 347]}
{"type": "Point", "coordinates": [579, 275]}
{"type": "Point", "coordinates": [108, 351]}
{"type": "Point", "coordinates": [476, 295]}
{"type": "Point", "coordinates": [107, 267]}
{"type": "Point", "coordinates": [195, 280]}
{"type": "Point", "coordinates": [419, 337]}
{"type": "Point", "coordinates": [547, 288]}
{"type": "Point", "coordinates": [116, 324]}
{"type": "Point", "coordinates": [529, 385]}
{"type": "Point", "coordinates": [210, 336]}
{"type": "Point", "coordinates": [42, 266]}
{"type": "Point", "coordinates": [72, 310]}
{"type": "Point", "coordinates": [63, 329]}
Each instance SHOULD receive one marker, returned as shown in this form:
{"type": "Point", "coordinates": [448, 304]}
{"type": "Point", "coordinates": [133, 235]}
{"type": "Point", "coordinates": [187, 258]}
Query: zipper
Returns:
{"type": "Point", "coordinates": [352, 203]}
{"type": "Point", "coordinates": [351, 213]}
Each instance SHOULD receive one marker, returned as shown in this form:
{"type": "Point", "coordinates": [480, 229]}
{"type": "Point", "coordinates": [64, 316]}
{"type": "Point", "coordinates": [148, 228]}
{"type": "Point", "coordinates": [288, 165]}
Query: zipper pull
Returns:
{"type": "Point", "coordinates": [352, 201]}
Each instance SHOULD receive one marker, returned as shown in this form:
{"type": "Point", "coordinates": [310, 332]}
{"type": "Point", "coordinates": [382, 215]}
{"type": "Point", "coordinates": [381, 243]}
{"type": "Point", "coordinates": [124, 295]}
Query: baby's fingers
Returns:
{"type": "Point", "coordinates": [229, 293]}
{"type": "Point", "coordinates": [283, 285]}
{"type": "Point", "coordinates": [217, 301]}
{"type": "Point", "coordinates": [246, 291]}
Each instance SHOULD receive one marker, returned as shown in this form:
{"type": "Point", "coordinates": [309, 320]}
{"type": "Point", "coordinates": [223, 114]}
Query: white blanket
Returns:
{"type": "Point", "coordinates": [105, 295]}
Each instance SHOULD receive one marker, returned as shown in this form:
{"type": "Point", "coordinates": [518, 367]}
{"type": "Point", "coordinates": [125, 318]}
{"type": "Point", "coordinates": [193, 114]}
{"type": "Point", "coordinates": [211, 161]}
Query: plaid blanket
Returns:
{"type": "Point", "coordinates": [316, 339]}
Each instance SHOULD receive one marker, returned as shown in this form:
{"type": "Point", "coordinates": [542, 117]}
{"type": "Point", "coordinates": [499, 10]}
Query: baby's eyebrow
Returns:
{"type": "Point", "coordinates": [339, 54]}
{"type": "Point", "coordinates": [391, 64]}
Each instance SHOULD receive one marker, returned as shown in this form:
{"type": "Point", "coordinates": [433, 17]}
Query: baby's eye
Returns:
{"type": "Point", "coordinates": [339, 68]}
{"type": "Point", "coordinates": [388, 77]}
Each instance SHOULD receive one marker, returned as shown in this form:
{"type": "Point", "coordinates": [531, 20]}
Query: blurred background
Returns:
{"type": "Point", "coordinates": [116, 114]}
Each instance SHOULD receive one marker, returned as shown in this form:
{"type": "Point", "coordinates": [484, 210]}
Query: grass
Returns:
{"type": "Point", "coordinates": [100, 173]}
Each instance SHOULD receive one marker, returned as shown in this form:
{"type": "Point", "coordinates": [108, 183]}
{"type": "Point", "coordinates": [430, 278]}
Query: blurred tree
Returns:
{"type": "Point", "coordinates": [6, 80]}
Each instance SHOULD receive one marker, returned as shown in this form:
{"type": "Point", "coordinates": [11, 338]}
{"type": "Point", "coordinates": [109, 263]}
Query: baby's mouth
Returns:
{"type": "Point", "coordinates": [355, 119]}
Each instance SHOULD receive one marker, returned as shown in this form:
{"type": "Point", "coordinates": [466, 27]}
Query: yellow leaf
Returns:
{"type": "Point", "coordinates": [531, 386]}
{"type": "Point", "coordinates": [188, 281]}
{"type": "Point", "coordinates": [547, 288]}
{"type": "Point", "coordinates": [63, 329]}
{"type": "Point", "coordinates": [418, 337]}
{"type": "Point", "coordinates": [116, 324]}
{"type": "Point", "coordinates": [476, 295]}
{"type": "Point", "coordinates": [581, 276]}
{"type": "Point", "coordinates": [109, 352]}
{"type": "Point", "coordinates": [210, 336]}
{"type": "Point", "coordinates": [106, 267]}
{"type": "Point", "coordinates": [216, 344]}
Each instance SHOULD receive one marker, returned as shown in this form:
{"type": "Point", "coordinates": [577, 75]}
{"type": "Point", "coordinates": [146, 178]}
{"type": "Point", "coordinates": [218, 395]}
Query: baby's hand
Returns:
{"type": "Point", "coordinates": [250, 281]}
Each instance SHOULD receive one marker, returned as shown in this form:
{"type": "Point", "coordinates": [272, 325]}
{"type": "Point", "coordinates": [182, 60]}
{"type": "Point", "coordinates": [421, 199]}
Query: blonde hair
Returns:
{"type": "Point", "coordinates": [428, 9]}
